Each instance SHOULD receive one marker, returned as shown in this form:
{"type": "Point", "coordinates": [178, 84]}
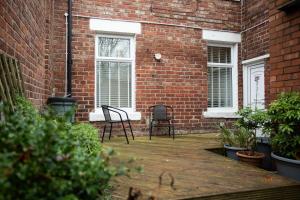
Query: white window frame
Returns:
{"type": "Point", "coordinates": [98, 115]}
{"type": "Point", "coordinates": [118, 29]}
{"type": "Point", "coordinates": [131, 59]}
{"type": "Point", "coordinates": [226, 112]}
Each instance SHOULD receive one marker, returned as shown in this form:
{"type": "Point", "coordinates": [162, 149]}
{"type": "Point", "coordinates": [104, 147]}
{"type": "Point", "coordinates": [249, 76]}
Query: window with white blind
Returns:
{"type": "Point", "coordinates": [219, 77]}
{"type": "Point", "coordinates": [114, 71]}
{"type": "Point", "coordinates": [222, 78]}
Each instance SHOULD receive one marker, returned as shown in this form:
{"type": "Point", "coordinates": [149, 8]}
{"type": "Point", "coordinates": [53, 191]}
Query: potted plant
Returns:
{"type": "Point", "coordinates": [285, 117]}
{"type": "Point", "coordinates": [250, 120]}
{"type": "Point", "coordinates": [233, 140]}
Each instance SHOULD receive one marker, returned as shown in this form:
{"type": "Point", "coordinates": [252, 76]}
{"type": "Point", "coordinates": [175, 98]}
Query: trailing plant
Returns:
{"type": "Point", "coordinates": [285, 117]}
{"type": "Point", "coordinates": [44, 157]}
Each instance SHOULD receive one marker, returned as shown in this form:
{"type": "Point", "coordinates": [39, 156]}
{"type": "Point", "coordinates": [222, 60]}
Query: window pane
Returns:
{"type": "Point", "coordinates": [114, 47]}
{"type": "Point", "coordinates": [125, 85]}
{"type": "Point", "coordinates": [219, 54]}
{"type": "Point", "coordinates": [216, 86]}
{"type": "Point", "coordinates": [104, 83]}
{"type": "Point", "coordinates": [113, 84]}
{"type": "Point", "coordinates": [219, 87]}
{"type": "Point", "coordinates": [210, 85]}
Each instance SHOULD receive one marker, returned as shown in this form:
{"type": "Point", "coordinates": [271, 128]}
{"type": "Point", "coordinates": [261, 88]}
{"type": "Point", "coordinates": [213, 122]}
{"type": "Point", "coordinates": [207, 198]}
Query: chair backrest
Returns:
{"type": "Point", "coordinates": [106, 113]}
{"type": "Point", "coordinates": [159, 112]}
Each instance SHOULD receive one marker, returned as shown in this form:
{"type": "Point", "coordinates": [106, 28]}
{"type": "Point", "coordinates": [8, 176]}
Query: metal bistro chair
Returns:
{"type": "Point", "coordinates": [159, 114]}
{"type": "Point", "coordinates": [108, 119]}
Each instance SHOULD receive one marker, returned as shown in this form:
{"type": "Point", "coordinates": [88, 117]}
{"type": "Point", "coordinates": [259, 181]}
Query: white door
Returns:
{"type": "Point", "coordinates": [254, 86]}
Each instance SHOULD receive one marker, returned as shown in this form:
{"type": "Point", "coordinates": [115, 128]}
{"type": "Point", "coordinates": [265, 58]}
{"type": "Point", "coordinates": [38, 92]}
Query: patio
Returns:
{"type": "Point", "coordinates": [198, 173]}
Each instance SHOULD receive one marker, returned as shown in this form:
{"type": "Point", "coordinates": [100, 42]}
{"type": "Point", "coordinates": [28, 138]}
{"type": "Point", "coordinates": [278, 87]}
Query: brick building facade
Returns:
{"type": "Point", "coordinates": [201, 43]}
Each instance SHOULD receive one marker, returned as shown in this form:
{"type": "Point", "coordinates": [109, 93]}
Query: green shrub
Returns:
{"type": "Point", "coordinates": [42, 157]}
{"type": "Point", "coordinates": [252, 119]}
{"type": "Point", "coordinates": [88, 136]}
{"type": "Point", "coordinates": [285, 117]}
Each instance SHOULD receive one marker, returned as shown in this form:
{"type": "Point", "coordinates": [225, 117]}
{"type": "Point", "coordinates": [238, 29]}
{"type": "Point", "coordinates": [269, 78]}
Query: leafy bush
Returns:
{"type": "Point", "coordinates": [252, 119]}
{"type": "Point", "coordinates": [41, 158]}
{"type": "Point", "coordinates": [285, 117]}
{"type": "Point", "coordinates": [88, 136]}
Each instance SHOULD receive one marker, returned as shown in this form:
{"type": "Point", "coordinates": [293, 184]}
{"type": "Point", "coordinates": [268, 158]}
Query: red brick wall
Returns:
{"type": "Point", "coordinates": [180, 79]}
{"type": "Point", "coordinates": [255, 35]}
{"type": "Point", "coordinates": [255, 28]}
{"type": "Point", "coordinates": [24, 35]}
{"type": "Point", "coordinates": [284, 49]}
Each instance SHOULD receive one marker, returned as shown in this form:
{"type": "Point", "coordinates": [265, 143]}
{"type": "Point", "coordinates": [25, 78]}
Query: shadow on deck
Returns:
{"type": "Point", "coordinates": [197, 173]}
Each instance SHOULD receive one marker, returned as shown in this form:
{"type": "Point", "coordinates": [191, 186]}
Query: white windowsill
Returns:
{"type": "Point", "coordinates": [99, 116]}
{"type": "Point", "coordinates": [232, 115]}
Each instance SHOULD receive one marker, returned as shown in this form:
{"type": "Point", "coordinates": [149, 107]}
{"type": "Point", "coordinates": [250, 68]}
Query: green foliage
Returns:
{"type": "Point", "coordinates": [235, 138]}
{"type": "Point", "coordinates": [285, 117]}
{"type": "Point", "coordinates": [252, 119]}
{"type": "Point", "coordinates": [244, 132]}
{"type": "Point", "coordinates": [42, 157]}
{"type": "Point", "coordinates": [88, 136]}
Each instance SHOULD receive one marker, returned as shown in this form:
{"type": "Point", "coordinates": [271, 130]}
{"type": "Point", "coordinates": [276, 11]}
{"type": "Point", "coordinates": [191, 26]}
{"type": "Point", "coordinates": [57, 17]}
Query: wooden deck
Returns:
{"type": "Point", "coordinates": [196, 171]}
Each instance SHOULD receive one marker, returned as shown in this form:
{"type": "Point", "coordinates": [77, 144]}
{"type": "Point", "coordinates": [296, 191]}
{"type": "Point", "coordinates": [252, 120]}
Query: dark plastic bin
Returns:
{"type": "Point", "coordinates": [264, 146]}
{"type": "Point", "coordinates": [62, 105]}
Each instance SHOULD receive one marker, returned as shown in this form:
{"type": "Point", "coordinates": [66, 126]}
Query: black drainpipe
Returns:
{"type": "Point", "coordinates": [63, 105]}
{"type": "Point", "coordinates": [69, 58]}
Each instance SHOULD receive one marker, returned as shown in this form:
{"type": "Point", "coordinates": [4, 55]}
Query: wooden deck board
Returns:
{"type": "Point", "coordinates": [197, 172]}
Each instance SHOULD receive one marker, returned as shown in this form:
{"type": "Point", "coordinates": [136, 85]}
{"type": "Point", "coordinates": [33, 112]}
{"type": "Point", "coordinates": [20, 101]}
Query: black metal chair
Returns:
{"type": "Point", "coordinates": [161, 116]}
{"type": "Point", "coordinates": [108, 119]}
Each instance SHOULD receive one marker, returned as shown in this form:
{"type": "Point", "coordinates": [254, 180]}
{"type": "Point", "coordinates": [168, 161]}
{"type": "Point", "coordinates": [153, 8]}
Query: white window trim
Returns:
{"type": "Point", "coordinates": [114, 26]}
{"type": "Point", "coordinates": [98, 115]}
{"type": "Point", "coordinates": [221, 36]}
{"type": "Point", "coordinates": [256, 59]}
{"type": "Point", "coordinates": [227, 38]}
{"type": "Point", "coordinates": [234, 108]}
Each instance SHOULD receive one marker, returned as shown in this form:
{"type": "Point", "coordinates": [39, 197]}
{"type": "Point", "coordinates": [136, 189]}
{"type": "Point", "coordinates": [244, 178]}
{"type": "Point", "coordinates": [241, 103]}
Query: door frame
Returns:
{"type": "Point", "coordinates": [246, 67]}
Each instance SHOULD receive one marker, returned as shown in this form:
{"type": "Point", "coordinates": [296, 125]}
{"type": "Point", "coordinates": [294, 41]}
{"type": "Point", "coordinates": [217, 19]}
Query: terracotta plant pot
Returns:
{"type": "Point", "coordinates": [251, 158]}
{"type": "Point", "coordinates": [231, 151]}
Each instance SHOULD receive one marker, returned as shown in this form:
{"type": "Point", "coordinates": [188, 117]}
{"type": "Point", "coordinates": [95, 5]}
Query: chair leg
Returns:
{"type": "Point", "coordinates": [169, 128]}
{"type": "Point", "coordinates": [103, 133]}
{"type": "Point", "coordinates": [125, 132]}
{"type": "Point", "coordinates": [131, 130]}
{"type": "Point", "coordinates": [110, 130]}
{"type": "Point", "coordinates": [150, 130]}
{"type": "Point", "coordinates": [173, 127]}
